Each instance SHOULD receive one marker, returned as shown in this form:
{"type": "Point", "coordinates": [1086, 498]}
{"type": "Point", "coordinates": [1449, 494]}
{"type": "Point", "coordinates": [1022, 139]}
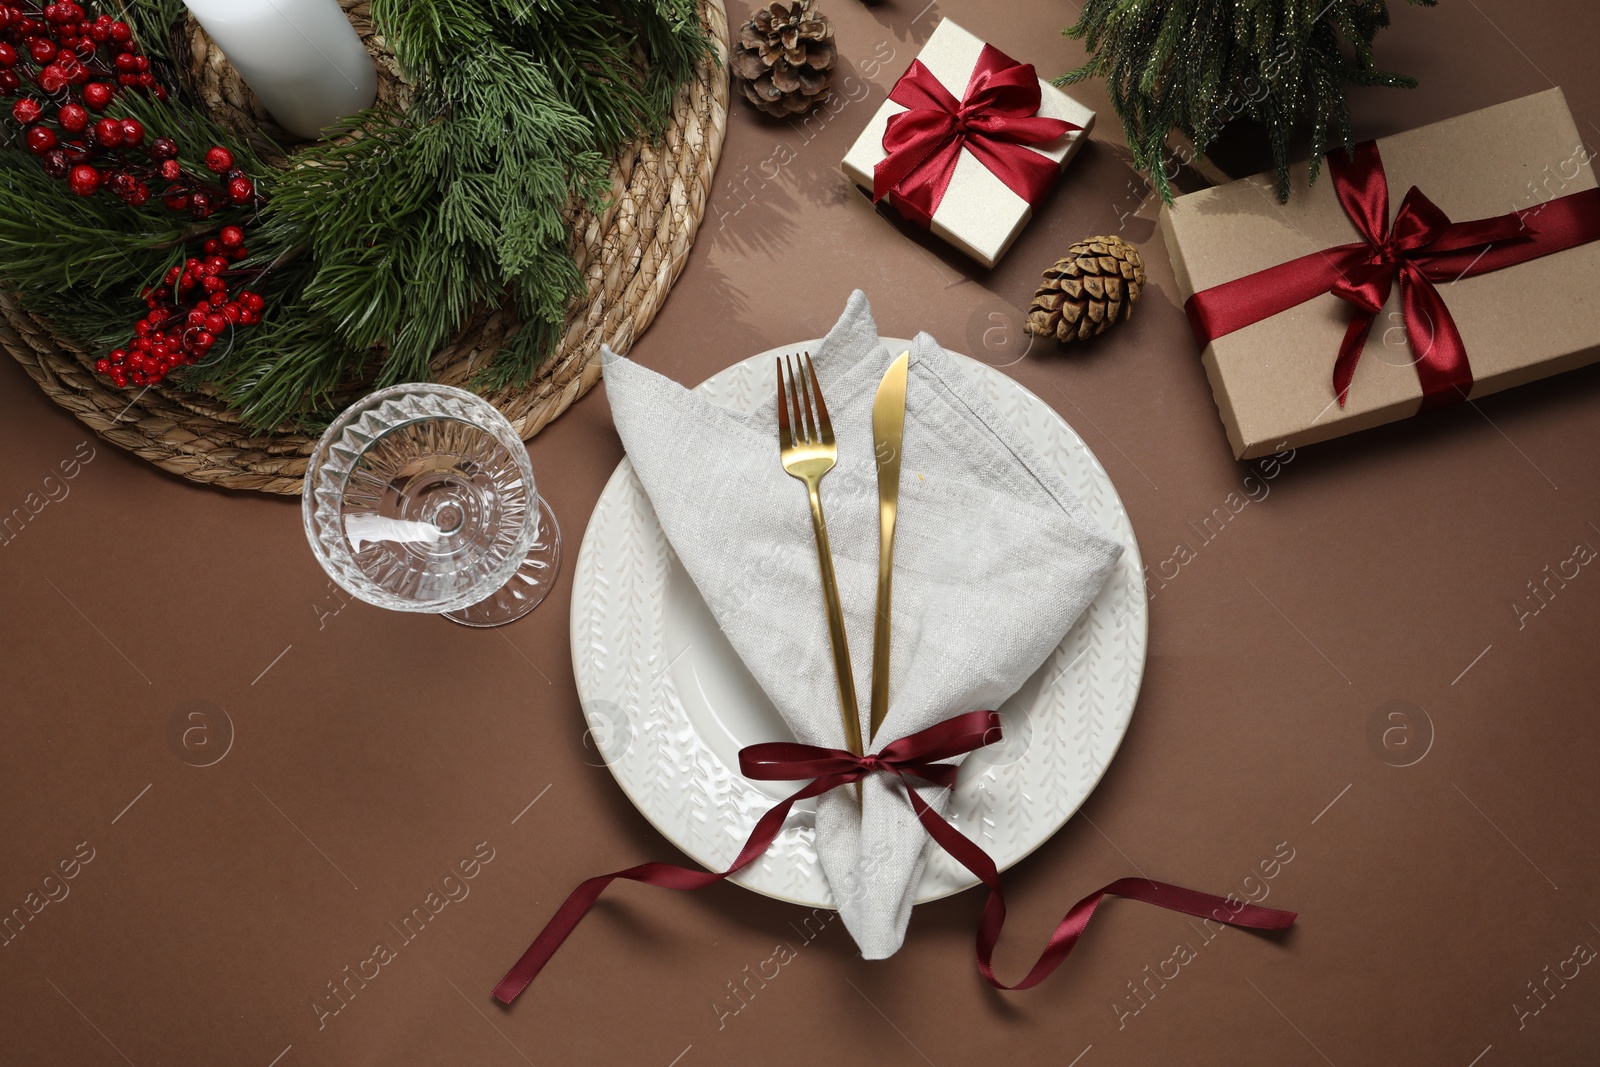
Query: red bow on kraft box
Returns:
{"type": "Point", "coordinates": [968, 168]}
{"type": "Point", "coordinates": [1307, 334]}
{"type": "Point", "coordinates": [1422, 247]}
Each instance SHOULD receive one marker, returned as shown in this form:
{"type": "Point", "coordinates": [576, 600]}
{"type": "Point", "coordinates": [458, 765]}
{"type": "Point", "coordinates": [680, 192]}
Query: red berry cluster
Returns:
{"type": "Point", "coordinates": [65, 53]}
{"type": "Point", "coordinates": [167, 337]}
{"type": "Point", "coordinates": [79, 65]}
{"type": "Point", "coordinates": [66, 46]}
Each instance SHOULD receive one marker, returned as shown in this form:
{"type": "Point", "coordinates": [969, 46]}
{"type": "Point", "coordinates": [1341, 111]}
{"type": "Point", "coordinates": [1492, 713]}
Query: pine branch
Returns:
{"type": "Point", "coordinates": [419, 220]}
{"type": "Point", "coordinates": [1195, 65]}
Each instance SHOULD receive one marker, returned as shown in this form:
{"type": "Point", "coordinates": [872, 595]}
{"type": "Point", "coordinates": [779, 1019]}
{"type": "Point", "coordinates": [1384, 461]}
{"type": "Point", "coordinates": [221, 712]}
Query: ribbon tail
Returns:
{"type": "Point", "coordinates": [1436, 345]}
{"type": "Point", "coordinates": [1228, 910]}
{"type": "Point", "coordinates": [664, 875]}
{"type": "Point", "coordinates": [1355, 340]}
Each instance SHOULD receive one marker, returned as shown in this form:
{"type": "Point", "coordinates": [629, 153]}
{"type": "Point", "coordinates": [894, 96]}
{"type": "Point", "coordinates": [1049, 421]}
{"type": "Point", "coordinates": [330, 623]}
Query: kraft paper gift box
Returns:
{"type": "Point", "coordinates": [1272, 380]}
{"type": "Point", "coordinates": [979, 214]}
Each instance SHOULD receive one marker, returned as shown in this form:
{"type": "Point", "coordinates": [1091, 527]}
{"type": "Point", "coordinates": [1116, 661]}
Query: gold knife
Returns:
{"type": "Point", "coordinates": [888, 431]}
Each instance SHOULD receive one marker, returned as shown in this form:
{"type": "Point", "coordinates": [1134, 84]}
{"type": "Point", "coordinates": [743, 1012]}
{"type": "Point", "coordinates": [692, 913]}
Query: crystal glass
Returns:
{"type": "Point", "coordinates": [421, 498]}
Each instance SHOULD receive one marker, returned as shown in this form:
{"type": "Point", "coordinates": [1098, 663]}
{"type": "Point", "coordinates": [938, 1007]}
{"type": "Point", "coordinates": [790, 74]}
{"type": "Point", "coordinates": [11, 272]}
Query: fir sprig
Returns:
{"type": "Point", "coordinates": [419, 219]}
{"type": "Point", "coordinates": [1195, 65]}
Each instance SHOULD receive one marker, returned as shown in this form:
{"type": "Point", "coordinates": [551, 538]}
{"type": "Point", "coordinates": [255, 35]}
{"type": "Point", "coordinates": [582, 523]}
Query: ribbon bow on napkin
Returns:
{"type": "Point", "coordinates": [915, 756]}
{"type": "Point", "coordinates": [994, 120]}
{"type": "Point", "coordinates": [1421, 247]}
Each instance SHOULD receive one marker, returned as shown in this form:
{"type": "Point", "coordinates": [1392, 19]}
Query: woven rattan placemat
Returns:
{"type": "Point", "coordinates": [629, 256]}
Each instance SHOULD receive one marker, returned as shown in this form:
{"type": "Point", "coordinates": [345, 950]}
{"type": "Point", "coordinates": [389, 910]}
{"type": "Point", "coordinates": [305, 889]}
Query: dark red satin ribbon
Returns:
{"type": "Point", "coordinates": [915, 756]}
{"type": "Point", "coordinates": [1422, 246]}
{"type": "Point", "coordinates": [995, 118]}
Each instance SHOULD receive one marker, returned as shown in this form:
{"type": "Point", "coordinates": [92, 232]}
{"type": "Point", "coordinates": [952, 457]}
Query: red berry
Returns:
{"type": "Point", "coordinates": [27, 110]}
{"type": "Point", "coordinates": [102, 366]}
{"type": "Point", "coordinates": [42, 49]}
{"type": "Point", "coordinates": [56, 164]}
{"type": "Point", "coordinates": [140, 196]}
{"type": "Point", "coordinates": [218, 160]}
{"type": "Point", "coordinates": [98, 95]}
{"type": "Point", "coordinates": [8, 55]}
{"type": "Point", "coordinates": [241, 190]}
{"type": "Point", "coordinates": [124, 61]}
{"type": "Point", "coordinates": [253, 301]}
{"type": "Point", "coordinates": [204, 340]}
{"type": "Point", "coordinates": [171, 169]}
{"type": "Point", "coordinates": [74, 118]}
{"type": "Point", "coordinates": [176, 200]}
{"type": "Point", "coordinates": [108, 132]}
{"type": "Point", "coordinates": [163, 148]}
{"type": "Point", "coordinates": [214, 322]}
{"type": "Point", "coordinates": [132, 133]}
{"type": "Point", "coordinates": [121, 32]}
{"type": "Point", "coordinates": [41, 139]}
{"type": "Point", "coordinates": [231, 237]}
{"type": "Point", "coordinates": [9, 82]}
{"type": "Point", "coordinates": [83, 180]}
{"type": "Point", "coordinates": [239, 253]}
{"type": "Point", "coordinates": [232, 312]}
{"type": "Point", "coordinates": [51, 80]}
{"type": "Point", "coordinates": [200, 205]}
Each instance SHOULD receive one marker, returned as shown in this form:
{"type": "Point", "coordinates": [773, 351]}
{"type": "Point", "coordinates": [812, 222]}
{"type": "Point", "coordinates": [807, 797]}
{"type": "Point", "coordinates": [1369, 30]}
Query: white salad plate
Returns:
{"type": "Point", "coordinates": [669, 704]}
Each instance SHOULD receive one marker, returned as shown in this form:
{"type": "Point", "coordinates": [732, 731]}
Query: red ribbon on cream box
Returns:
{"type": "Point", "coordinates": [968, 142]}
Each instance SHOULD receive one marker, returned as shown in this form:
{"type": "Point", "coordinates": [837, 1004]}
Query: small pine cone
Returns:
{"type": "Point", "coordinates": [1089, 289]}
{"type": "Point", "coordinates": [783, 59]}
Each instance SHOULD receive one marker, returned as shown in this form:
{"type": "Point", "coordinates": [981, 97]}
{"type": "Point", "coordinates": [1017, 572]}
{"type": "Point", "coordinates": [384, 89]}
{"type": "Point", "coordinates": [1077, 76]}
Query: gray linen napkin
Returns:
{"type": "Point", "coordinates": [995, 558]}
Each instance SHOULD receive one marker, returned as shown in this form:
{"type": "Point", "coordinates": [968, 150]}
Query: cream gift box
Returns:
{"type": "Point", "coordinates": [979, 213]}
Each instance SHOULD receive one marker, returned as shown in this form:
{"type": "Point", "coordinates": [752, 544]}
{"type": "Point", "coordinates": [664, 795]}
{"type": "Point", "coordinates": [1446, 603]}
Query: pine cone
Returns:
{"type": "Point", "coordinates": [784, 58]}
{"type": "Point", "coordinates": [1097, 282]}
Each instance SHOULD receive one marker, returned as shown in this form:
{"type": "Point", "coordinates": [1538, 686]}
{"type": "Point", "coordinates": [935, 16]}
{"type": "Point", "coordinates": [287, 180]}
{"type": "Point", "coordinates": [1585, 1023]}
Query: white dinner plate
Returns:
{"type": "Point", "coordinates": [669, 703]}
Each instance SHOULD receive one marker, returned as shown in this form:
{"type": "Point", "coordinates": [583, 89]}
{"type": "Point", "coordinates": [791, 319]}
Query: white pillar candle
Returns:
{"type": "Point", "coordinates": [302, 58]}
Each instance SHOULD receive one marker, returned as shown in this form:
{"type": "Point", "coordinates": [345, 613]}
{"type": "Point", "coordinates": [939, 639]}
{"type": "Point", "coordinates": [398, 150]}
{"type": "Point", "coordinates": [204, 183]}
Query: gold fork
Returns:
{"type": "Point", "coordinates": [805, 439]}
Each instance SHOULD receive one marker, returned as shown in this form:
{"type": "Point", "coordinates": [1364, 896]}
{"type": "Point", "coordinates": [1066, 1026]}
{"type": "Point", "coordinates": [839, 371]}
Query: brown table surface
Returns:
{"type": "Point", "coordinates": [357, 756]}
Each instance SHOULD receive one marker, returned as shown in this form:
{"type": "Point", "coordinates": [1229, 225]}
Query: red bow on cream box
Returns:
{"type": "Point", "coordinates": [968, 141]}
